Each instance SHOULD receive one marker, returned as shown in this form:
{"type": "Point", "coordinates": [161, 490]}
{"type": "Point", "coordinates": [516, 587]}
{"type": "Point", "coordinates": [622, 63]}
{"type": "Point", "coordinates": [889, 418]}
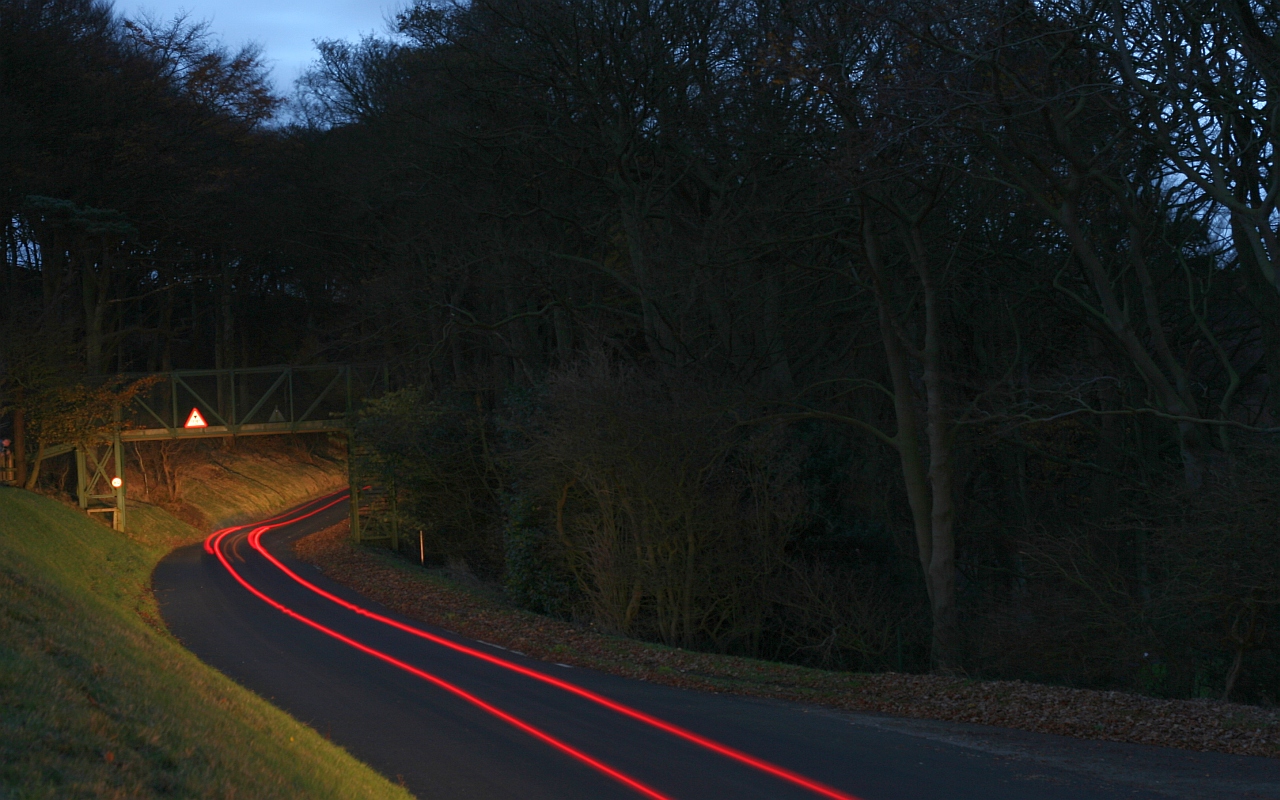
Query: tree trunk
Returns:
{"type": "Point", "coordinates": [53, 266]}
{"type": "Point", "coordinates": [940, 428]}
{"type": "Point", "coordinates": [564, 335]}
{"type": "Point", "coordinates": [929, 494]}
{"type": "Point", "coordinates": [1193, 445]}
{"type": "Point", "coordinates": [1263, 297]}
{"type": "Point", "coordinates": [1107, 452]}
{"type": "Point", "coordinates": [659, 337]}
{"type": "Point", "coordinates": [224, 339]}
{"type": "Point", "coordinates": [771, 343]}
{"type": "Point", "coordinates": [94, 289]}
{"type": "Point", "coordinates": [20, 445]}
{"type": "Point", "coordinates": [34, 477]}
{"type": "Point", "coordinates": [1233, 674]}
{"type": "Point", "coordinates": [9, 256]}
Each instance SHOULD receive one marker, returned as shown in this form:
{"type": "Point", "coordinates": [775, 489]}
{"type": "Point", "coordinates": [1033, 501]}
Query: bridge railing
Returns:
{"type": "Point", "coordinates": [252, 401]}
{"type": "Point", "coordinates": [229, 402]}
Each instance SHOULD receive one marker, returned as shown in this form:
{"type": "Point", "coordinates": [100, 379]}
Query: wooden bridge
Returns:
{"type": "Point", "coordinates": [214, 403]}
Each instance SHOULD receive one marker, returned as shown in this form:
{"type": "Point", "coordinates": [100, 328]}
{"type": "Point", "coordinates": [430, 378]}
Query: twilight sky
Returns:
{"type": "Point", "coordinates": [285, 28]}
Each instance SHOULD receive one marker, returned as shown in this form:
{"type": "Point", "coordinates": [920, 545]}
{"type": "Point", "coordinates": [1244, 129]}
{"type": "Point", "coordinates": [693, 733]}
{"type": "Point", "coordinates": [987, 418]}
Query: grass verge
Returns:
{"type": "Point", "coordinates": [433, 597]}
{"type": "Point", "coordinates": [98, 700]}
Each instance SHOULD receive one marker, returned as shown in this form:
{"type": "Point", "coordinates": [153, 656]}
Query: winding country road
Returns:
{"type": "Point", "coordinates": [454, 718]}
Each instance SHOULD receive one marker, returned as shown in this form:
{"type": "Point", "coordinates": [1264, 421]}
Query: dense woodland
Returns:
{"type": "Point", "coordinates": [868, 335]}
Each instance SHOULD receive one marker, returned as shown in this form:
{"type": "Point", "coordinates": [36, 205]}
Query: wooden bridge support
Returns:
{"type": "Point", "coordinates": [94, 468]}
{"type": "Point", "coordinates": [255, 401]}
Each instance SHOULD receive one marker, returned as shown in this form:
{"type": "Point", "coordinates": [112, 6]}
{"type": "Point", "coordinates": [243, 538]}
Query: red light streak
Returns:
{"type": "Point", "coordinates": [516, 722]}
{"type": "Point", "coordinates": [218, 534]}
{"type": "Point", "coordinates": [255, 542]}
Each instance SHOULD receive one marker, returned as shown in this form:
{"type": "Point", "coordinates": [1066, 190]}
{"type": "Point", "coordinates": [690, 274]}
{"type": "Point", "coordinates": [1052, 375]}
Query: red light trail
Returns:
{"type": "Point", "coordinates": [254, 539]}
{"type": "Point", "coordinates": [516, 722]}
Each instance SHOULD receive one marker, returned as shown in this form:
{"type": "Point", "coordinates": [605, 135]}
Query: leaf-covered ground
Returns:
{"type": "Point", "coordinates": [472, 611]}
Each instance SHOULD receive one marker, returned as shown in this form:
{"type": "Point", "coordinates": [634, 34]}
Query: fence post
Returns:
{"type": "Point", "coordinates": [82, 479]}
{"type": "Point", "coordinates": [118, 446]}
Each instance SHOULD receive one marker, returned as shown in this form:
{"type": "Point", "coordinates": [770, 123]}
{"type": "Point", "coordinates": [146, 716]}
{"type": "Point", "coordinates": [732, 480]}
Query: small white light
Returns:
{"type": "Point", "coordinates": [116, 482]}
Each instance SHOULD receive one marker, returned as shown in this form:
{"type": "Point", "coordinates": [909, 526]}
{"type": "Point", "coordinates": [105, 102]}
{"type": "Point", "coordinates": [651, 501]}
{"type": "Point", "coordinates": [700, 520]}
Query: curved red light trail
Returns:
{"type": "Point", "coordinates": [516, 722]}
{"type": "Point", "coordinates": [255, 537]}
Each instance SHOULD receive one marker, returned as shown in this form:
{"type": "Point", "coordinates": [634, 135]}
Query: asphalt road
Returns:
{"type": "Point", "coordinates": [451, 725]}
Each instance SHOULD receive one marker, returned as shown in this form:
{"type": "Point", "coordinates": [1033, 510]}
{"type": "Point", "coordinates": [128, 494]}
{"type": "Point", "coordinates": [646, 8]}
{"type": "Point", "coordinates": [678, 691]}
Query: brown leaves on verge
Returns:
{"type": "Point", "coordinates": [1201, 725]}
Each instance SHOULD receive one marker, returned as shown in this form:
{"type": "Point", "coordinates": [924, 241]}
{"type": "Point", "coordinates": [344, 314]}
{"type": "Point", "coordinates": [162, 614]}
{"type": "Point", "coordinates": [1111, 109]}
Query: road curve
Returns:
{"type": "Point", "coordinates": [455, 718]}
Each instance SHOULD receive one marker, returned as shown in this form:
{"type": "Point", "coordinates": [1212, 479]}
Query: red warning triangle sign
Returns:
{"type": "Point", "coordinates": [194, 420]}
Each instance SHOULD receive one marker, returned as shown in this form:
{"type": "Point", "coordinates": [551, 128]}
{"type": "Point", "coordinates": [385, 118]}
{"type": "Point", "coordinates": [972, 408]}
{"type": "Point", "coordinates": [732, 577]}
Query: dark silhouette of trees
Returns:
{"type": "Point", "coordinates": [881, 336]}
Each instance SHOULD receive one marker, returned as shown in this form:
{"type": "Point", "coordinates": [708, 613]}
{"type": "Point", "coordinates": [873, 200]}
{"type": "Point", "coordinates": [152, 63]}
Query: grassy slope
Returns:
{"type": "Point", "coordinates": [232, 488]}
{"type": "Point", "coordinates": [97, 700]}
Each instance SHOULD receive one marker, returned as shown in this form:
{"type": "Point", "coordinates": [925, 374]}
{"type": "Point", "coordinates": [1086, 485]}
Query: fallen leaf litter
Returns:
{"type": "Point", "coordinates": [1202, 725]}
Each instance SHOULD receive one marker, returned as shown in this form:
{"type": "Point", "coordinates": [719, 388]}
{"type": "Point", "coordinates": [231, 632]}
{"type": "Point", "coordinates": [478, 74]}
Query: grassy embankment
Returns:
{"type": "Point", "coordinates": [98, 700]}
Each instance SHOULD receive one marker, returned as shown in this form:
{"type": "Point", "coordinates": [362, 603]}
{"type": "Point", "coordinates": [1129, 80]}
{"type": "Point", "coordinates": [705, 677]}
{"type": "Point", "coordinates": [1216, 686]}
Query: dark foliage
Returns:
{"type": "Point", "coordinates": [910, 336]}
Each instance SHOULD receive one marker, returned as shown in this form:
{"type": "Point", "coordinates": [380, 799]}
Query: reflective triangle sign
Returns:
{"type": "Point", "coordinates": [194, 420]}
